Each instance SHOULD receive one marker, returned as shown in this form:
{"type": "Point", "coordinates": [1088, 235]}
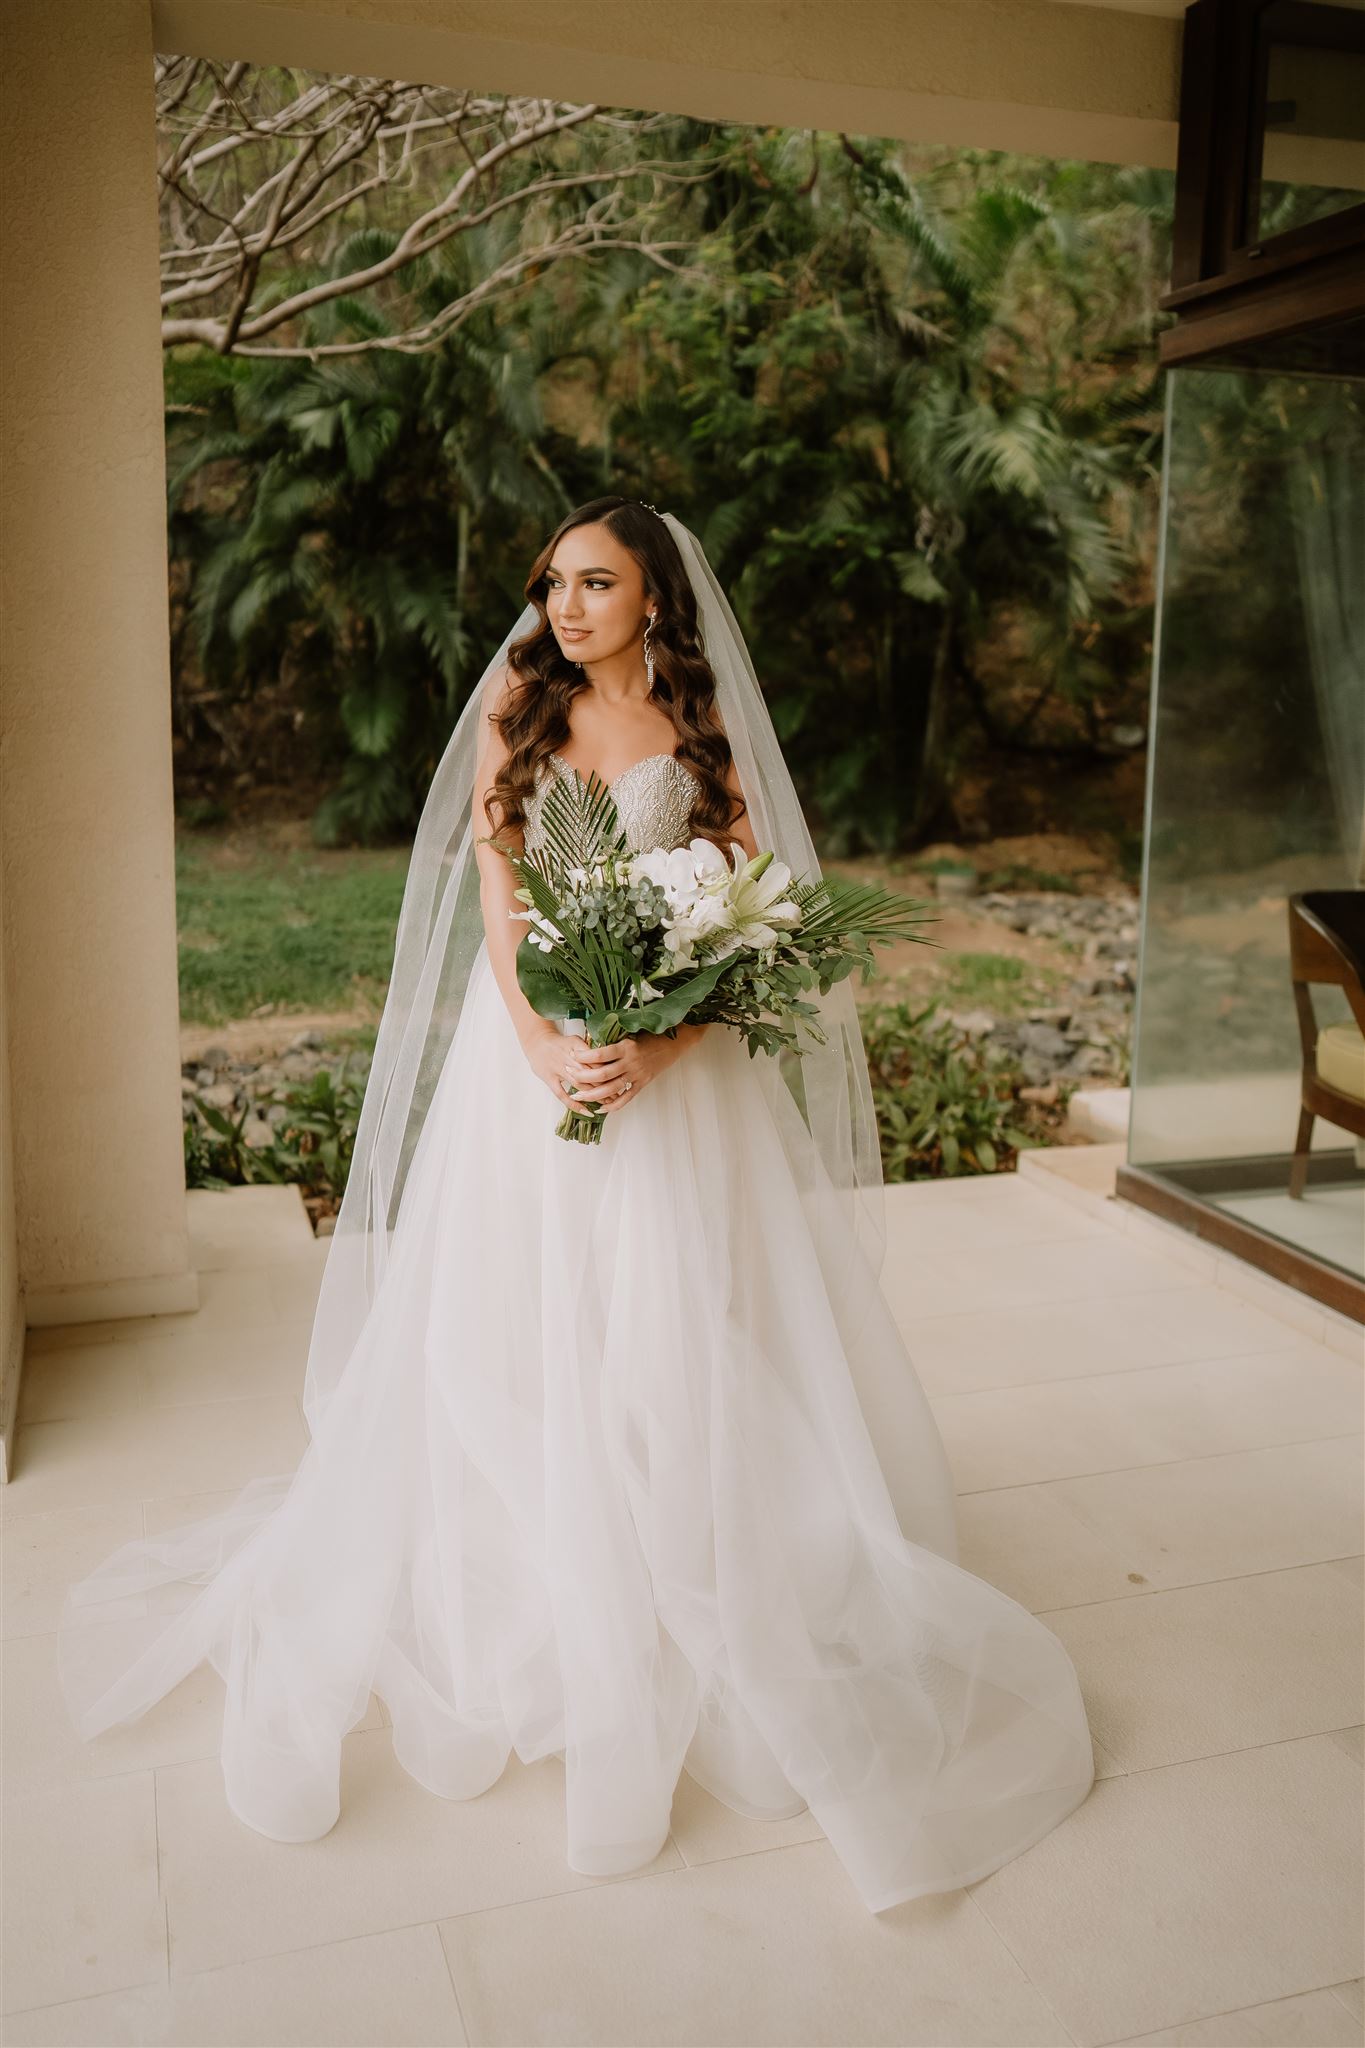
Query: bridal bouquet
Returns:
{"type": "Point", "coordinates": [633, 942]}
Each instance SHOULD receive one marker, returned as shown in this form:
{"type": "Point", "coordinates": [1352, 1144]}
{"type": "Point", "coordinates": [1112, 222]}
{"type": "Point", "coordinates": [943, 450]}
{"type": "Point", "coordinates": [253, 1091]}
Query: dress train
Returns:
{"type": "Point", "coordinates": [619, 1470]}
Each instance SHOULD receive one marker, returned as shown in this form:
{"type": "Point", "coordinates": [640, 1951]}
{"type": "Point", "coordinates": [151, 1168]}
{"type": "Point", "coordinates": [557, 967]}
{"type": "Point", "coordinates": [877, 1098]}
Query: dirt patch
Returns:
{"type": "Point", "coordinates": [250, 1038]}
{"type": "Point", "coordinates": [916, 972]}
{"type": "Point", "coordinates": [230, 848]}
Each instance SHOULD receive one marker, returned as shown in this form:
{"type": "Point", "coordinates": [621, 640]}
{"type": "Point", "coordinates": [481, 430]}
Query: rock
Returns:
{"type": "Point", "coordinates": [214, 1056]}
{"type": "Point", "coordinates": [257, 1133]}
{"type": "Point", "coordinates": [1044, 1040]}
{"type": "Point", "coordinates": [1047, 1096]}
{"type": "Point", "coordinates": [973, 1023]}
{"type": "Point", "coordinates": [1090, 1059]}
{"type": "Point", "coordinates": [222, 1094]}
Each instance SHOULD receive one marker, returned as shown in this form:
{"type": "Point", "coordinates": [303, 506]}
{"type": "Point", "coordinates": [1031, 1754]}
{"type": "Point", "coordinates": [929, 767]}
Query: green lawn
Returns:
{"type": "Point", "coordinates": [999, 981]}
{"type": "Point", "coordinates": [299, 929]}
{"type": "Point", "coordinates": [306, 928]}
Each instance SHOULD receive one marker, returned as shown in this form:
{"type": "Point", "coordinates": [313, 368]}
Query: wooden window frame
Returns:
{"type": "Point", "coordinates": [1229, 288]}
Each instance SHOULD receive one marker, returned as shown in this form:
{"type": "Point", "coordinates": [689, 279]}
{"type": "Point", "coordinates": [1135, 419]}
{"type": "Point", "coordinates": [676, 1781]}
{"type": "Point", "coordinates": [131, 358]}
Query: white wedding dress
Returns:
{"type": "Point", "coordinates": [619, 1472]}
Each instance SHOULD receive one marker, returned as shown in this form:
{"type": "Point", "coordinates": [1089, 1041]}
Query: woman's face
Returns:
{"type": "Point", "coordinates": [595, 595]}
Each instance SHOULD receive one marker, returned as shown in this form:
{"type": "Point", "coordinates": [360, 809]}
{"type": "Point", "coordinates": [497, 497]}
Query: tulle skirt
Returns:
{"type": "Point", "coordinates": [619, 1471]}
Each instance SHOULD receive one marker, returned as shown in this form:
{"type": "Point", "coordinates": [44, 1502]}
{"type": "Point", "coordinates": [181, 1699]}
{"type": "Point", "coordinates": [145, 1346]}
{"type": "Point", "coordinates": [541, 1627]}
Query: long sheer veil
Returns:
{"type": "Point", "coordinates": [822, 1098]}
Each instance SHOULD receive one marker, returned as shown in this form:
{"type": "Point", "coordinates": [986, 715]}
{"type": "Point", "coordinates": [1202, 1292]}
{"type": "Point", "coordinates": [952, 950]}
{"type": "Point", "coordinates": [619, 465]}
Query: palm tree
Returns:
{"type": "Point", "coordinates": [917, 401]}
{"type": "Point", "coordinates": [343, 522]}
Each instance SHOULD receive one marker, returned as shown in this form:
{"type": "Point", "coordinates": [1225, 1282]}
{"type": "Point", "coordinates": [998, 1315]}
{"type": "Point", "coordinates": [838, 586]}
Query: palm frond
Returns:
{"type": "Point", "coordinates": [580, 820]}
{"type": "Point", "coordinates": [834, 907]}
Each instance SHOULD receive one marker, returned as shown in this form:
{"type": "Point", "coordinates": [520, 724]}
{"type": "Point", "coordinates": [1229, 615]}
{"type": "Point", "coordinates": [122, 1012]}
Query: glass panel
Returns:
{"type": "Point", "coordinates": [1313, 156]}
{"type": "Point", "coordinates": [1256, 790]}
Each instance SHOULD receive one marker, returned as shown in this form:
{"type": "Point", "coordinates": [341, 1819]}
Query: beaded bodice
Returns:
{"type": "Point", "coordinates": [653, 799]}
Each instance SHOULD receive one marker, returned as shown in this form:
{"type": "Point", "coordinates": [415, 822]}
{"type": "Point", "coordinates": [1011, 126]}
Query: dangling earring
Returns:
{"type": "Point", "coordinates": [649, 651]}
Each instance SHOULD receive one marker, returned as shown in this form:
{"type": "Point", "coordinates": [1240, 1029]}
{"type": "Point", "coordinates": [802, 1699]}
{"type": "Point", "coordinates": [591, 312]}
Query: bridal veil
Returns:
{"type": "Point", "coordinates": [440, 931]}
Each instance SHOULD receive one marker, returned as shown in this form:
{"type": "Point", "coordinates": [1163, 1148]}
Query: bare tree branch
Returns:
{"type": "Point", "coordinates": [266, 176]}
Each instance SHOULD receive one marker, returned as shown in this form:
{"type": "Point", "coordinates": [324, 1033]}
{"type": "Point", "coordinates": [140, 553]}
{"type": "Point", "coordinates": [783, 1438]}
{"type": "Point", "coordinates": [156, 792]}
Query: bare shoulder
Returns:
{"type": "Point", "coordinates": [491, 749]}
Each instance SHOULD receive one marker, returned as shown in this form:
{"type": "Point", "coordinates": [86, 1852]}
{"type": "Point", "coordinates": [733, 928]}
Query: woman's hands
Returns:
{"type": "Point", "coordinates": [599, 1073]}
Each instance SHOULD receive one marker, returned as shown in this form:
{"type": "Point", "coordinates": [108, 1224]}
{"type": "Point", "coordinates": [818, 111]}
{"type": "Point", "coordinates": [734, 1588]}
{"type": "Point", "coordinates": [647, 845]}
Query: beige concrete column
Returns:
{"type": "Point", "coordinates": [11, 1298]}
{"type": "Point", "coordinates": [86, 814]}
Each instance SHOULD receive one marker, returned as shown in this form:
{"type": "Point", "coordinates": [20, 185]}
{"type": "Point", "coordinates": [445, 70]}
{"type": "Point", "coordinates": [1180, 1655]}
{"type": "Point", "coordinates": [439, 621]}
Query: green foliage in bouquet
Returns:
{"type": "Point", "coordinates": [604, 944]}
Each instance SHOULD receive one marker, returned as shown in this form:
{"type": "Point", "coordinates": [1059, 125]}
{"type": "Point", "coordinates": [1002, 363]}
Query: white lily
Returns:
{"type": "Point", "coordinates": [755, 887]}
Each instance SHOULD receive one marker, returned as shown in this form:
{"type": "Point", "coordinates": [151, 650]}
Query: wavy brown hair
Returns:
{"type": "Point", "coordinates": [545, 682]}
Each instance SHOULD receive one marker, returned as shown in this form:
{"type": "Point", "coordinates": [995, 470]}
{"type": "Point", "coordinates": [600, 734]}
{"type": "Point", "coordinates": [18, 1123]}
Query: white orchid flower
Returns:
{"type": "Point", "coordinates": [709, 864]}
{"type": "Point", "coordinates": [548, 933]}
{"type": "Point", "coordinates": [680, 876]}
{"type": "Point", "coordinates": [709, 914]}
{"type": "Point", "coordinates": [650, 867]}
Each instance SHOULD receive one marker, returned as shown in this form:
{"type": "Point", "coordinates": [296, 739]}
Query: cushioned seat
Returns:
{"type": "Point", "coordinates": [1340, 1059]}
{"type": "Point", "coordinates": [1327, 948]}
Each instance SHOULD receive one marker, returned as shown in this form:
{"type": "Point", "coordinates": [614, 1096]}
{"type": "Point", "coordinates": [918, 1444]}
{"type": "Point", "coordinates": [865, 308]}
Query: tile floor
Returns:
{"type": "Point", "coordinates": [1155, 1448]}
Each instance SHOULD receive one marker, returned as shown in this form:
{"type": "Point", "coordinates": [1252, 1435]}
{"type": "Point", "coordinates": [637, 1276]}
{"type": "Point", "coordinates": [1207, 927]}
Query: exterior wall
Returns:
{"type": "Point", "coordinates": [86, 810]}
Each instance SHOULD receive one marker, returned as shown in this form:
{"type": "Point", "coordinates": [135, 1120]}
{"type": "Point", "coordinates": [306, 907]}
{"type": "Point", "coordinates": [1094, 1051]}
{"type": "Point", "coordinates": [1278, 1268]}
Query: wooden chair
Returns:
{"type": "Point", "coordinates": [1327, 945]}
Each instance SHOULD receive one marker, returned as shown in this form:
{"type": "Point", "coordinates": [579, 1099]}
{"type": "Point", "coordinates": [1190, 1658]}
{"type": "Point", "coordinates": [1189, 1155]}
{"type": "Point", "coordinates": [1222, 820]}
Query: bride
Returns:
{"type": "Point", "coordinates": [616, 1451]}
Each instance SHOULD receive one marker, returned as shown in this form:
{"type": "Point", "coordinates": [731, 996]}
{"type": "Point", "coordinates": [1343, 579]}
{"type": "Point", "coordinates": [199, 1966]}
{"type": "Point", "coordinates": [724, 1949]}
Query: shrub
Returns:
{"type": "Point", "coordinates": [945, 1105]}
{"type": "Point", "coordinates": [310, 1145]}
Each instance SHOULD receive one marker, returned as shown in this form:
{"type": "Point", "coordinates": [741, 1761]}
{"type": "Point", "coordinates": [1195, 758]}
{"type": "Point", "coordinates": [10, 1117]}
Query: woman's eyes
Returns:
{"type": "Point", "coordinates": [593, 583]}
